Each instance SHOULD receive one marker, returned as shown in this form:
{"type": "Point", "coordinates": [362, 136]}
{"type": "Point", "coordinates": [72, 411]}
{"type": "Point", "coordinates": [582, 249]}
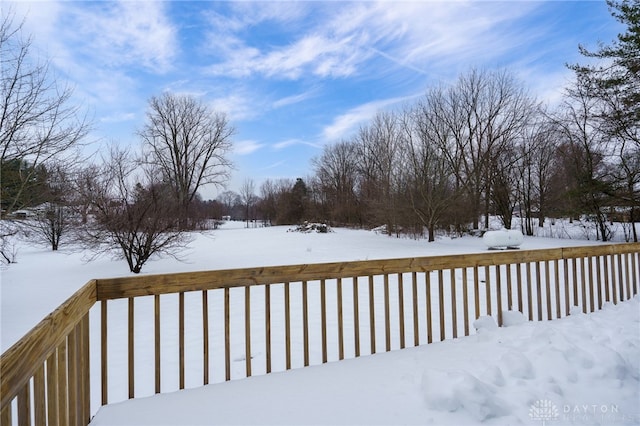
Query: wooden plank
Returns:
{"type": "Point", "coordinates": [205, 336]}
{"type": "Point", "coordinates": [267, 325]}
{"type": "Point", "coordinates": [414, 293]}
{"type": "Point", "coordinates": [387, 314]}
{"type": "Point", "coordinates": [124, 287]}
{"type": "Point", "coordinates": [227, 335]}
{"type": "Point", "coordinates": [130, 348]}
{"type": "Point", "coordinates": [372, 315]}
{"type": "Point", "coordinates": [401, 310]}
{"type": "Point", "coordinates": [574, 282]}
{"type": "Point", "coordinates": [287, 325]}
{"type": "Point", "coordinates": [24, 405]}
{"type": "Point", "coordinates": [356, 318]}
{"type": "Point", "coordinates": [454, 316]}
{"type": "Point", "coordinates": [634, 269]}
{"type": "Point", "coordinates": [52, 390]}
{"type": "Point", "coordinates": [157, 343]}
{"type": "Point", "coordinates": [39, 399]}
{"type": "Point", "coordinates": [487, 286]}
{"type": "Point", "coordinates": [20, 361]}
{"type": "Point", "coordinates": [247, 331]}
{"type": "Point", "coordinates": [305, 323]}
{"type": "Point", "coordinates": [340, 319]}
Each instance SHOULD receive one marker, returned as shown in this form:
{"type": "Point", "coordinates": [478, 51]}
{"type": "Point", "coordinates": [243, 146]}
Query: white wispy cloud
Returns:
{"type": "Point", "coordinates": [246, 147]}
{"type": "Point", "coordinates": [293, 99]}
{"type": "Point", "coordinates": [346, 124]}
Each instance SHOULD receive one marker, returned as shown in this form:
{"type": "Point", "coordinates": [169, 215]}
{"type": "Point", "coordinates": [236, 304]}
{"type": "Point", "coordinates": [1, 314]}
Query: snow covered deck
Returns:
{"type": "Point", "coordinates": [583, 369]}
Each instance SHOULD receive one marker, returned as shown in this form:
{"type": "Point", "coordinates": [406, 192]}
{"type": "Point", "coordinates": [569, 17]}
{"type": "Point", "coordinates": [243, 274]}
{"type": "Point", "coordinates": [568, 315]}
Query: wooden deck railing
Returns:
{"type": "Point", "coordinates": [240, 322]}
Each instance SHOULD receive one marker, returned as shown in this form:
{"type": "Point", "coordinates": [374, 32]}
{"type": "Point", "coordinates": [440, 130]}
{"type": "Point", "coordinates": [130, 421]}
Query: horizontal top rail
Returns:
{"type": "Point", "coordinates": [21, 360]}
{"type": "Point", "coordinates": [148, 285]}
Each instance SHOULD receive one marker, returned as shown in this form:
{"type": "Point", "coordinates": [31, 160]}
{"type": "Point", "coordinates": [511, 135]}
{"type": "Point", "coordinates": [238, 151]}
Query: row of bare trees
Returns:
{"type": "Point", "coordinates": [478, 147]}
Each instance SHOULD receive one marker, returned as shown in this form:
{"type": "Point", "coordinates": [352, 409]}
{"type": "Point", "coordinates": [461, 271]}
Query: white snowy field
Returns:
{"type": "Point", "coordinates": [492, 377]}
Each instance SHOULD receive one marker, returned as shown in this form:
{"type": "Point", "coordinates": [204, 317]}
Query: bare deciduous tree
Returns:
{"type": "Point", "coordinates": [135, 217]}
{"type": "Point", "coordinates": [188, 142]}
{"type": "Point", "coordinates": [38, 122]}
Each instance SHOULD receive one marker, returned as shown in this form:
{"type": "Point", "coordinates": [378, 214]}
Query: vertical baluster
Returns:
{"type": "Point", "coordinates": [620, 279]}
{"type": "Point", "coordinates": [205, 338]}
{"type": "Point", "coordinates": [529, 292]}
{"type": "Point", "coordinates": [499, 294]}
{"type": "Point", "coordinates": [607, 292]}
{"type": "Point", "coordinates": [52, 390]}
{"type": "Point", "coordinates": [156, 341]}
{"type": "Point", "coordinates": [247, 330]}
{"type": "Point", "coordinates": [130, 353]}
{"type": "Point", "coordinates": [574, 269]}
{"type": "Point", "coordinates": [627, 270]}
{"type": "Point", "coordinates": [39, 400]}
{"type": "Point", "coordinates": [614, 287]}
{"type": "Point", "coordinates": [454, 315]}
{"type": "Point", "coordinates": [487, 287]}
{"type": "Point", "coordinates": [181, 337]}
{"type": "Point", "coordinates": [509, 291]}
{"type": "Point", "coordinates": [6, 417]}
{"type": "Point", "coordinates": [340, 320]}
{"type": "Point", "coordinates": [591, 284]}
{"type": "Point", "coordinates": [85, 369]}
{"type": "Point", "coordinates": [287, 326]}
{"type": "Point", "coordinates": [547, 282]}
{"type": "Point", "coordinates": [387, 318]}
{"type": "Point", "coordinates": [441, 303]}
{"type": "Point", "coordinates": [465, 301]}
{"type": "Point", "coordinates": [323, 319]}
{"type": "Point", "coordinates": [227, 334]}
{"type": "Point", "coordinates": [556, 271]}
{"type": "Point", "coordinates": [567, 293]}
{"type": "Point", "coordinates": [519, 288]}
{"type": "Point", "coordinates": [401, 309]}
{"type": "Point", "coordinates": [305, 323]}
{"type": "Point", "coordinates": [372, 315]}
{"type": "Point", "coordinates": [599, 280]}
{"type": "Point", "coordinates": [414, 288]}
{"type": "Point", "coordinates": [103, 352]}
{"type": "Point", "coordinates": [583, 281]}
{"type": "Point", "coordinates": [24, 405]}
{"type": "Point", "coordinates": [356, 317]}
{"type": "Point", "coordinates": [267, 326]}
{"type": "Point", "coordinates": [72, 362]}
{"type": "Point", "coordinates": [476, 290]}
{"type": "Point", "coordinates": [63, 402]}
{"type": "Point", "coordinates": [539, 290]}
{"type": "Point", "coordinates": [427, 279]}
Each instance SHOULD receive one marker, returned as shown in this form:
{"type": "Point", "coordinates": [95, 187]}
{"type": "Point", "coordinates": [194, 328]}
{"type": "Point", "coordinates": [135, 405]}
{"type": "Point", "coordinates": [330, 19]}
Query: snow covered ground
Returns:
{"type": "Point", "coordinates": [524, 374]}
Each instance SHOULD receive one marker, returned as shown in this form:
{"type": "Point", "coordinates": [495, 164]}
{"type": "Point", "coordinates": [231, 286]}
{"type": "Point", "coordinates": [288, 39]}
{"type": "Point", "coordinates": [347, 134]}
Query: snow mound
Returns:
{"type": "Point", "coordinates": [485, 324]}
{"type": "Point", "coordinates": [321, 228]}
{"type": "Point", "coordinates": [461, 392]}
{"type": "Point", "coordinates": [511, 318]}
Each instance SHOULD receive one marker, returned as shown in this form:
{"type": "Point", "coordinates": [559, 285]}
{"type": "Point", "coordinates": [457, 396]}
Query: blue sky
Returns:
{"type": "Point", "coordinates": [294, 76]}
